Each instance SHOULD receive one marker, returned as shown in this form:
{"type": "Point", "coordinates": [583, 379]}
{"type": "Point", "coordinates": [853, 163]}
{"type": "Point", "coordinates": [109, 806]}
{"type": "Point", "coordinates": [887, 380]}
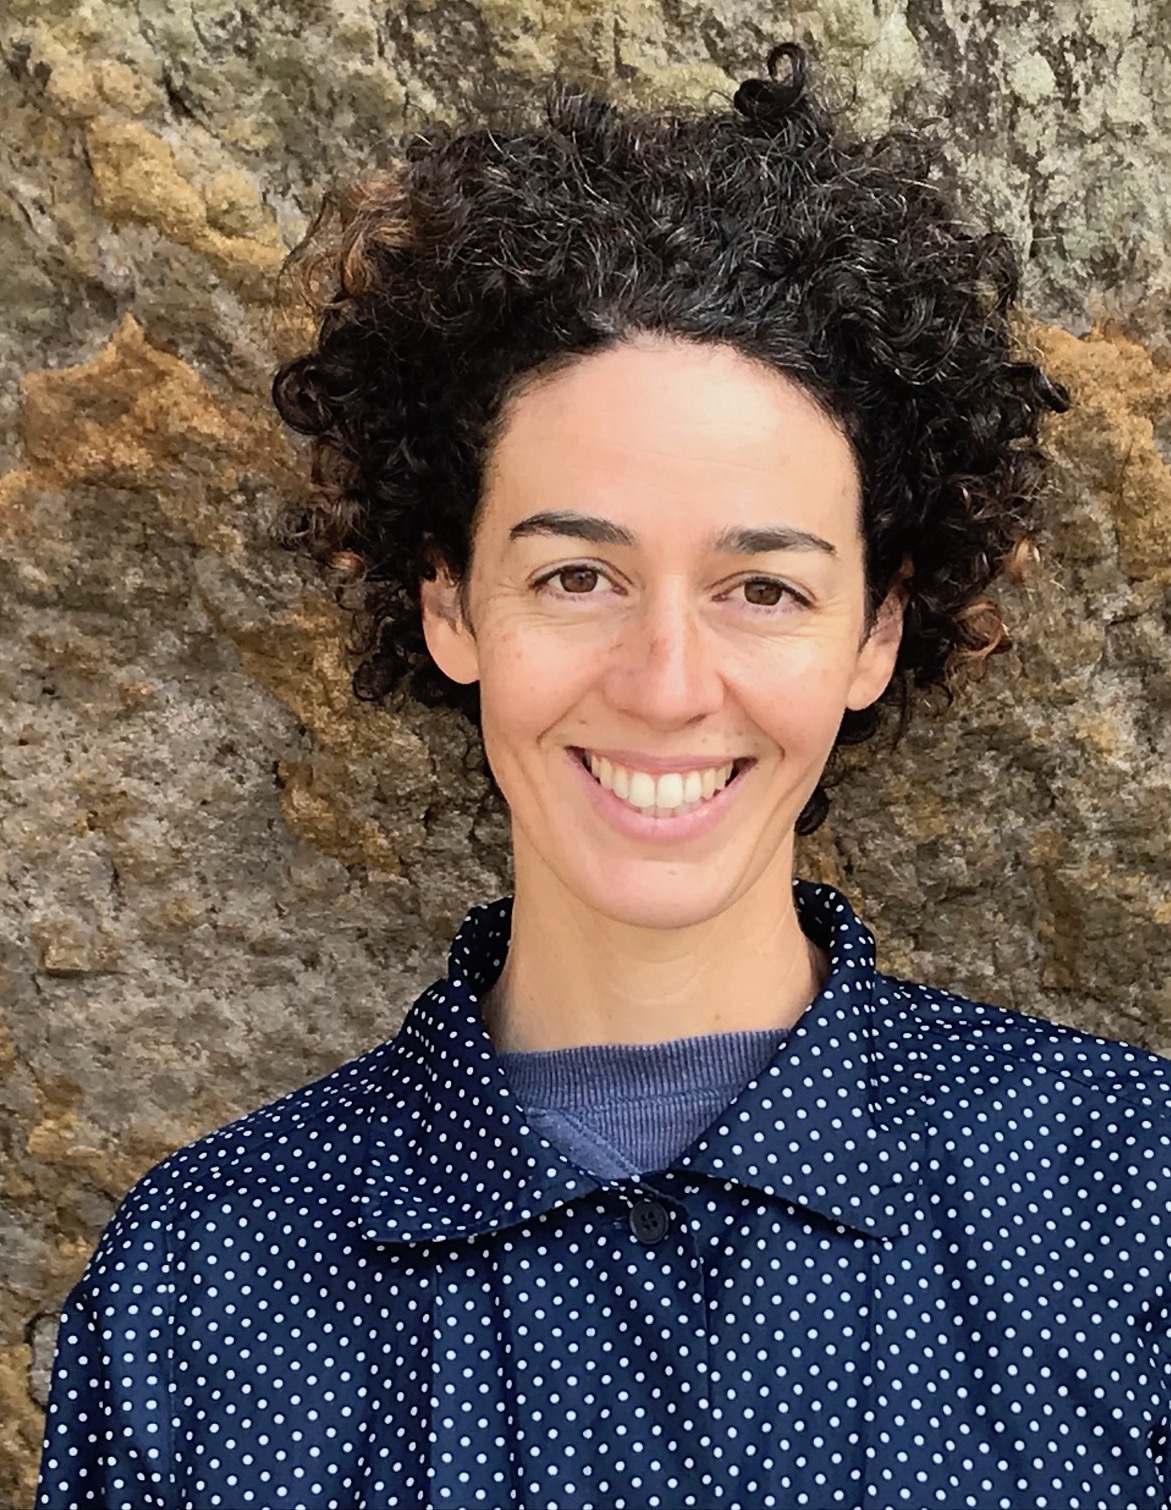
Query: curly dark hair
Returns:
{"type": "Point", "coordinates": [484, 257]}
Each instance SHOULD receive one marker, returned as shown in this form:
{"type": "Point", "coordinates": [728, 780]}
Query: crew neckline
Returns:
{"type": "Point", "coordinates": [581, 1076]}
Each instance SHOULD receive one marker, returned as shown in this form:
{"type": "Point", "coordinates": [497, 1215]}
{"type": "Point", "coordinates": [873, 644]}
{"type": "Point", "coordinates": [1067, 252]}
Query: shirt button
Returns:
{"type": "Point", "coordinates": [648, 1222]}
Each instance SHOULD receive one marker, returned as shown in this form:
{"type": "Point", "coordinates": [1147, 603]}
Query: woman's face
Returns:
{"type": "Point", "coordinates": [667, 574]}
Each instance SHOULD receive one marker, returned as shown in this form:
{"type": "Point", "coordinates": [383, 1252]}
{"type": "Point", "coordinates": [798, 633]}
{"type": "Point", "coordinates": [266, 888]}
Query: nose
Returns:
{"type": "Point", "coordinates": [663, 668]}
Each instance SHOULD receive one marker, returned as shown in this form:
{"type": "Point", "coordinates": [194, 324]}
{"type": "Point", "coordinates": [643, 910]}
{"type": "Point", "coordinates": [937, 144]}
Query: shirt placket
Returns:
{"type": "Point", "coordinates": [604, 1336]}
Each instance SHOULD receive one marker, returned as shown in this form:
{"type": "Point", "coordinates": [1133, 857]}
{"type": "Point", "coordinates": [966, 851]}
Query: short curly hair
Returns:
{"type": "Point", "coordinates": [483, 257]}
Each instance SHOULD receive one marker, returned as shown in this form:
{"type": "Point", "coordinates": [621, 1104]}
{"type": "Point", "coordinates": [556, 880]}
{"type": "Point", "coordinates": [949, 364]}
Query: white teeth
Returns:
{"type": "Point", "coordinates": [642, 789]}
{"type": "Point", "coordinates": [669, 790]}
{"type": "Point", "coordinates": [668, 796]}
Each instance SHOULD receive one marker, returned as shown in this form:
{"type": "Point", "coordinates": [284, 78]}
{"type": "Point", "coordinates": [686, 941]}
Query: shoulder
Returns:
{"type": "Point", "coordinates": [1004, 1050]}
{"type": "Point", "coordinates": [313, 1136]}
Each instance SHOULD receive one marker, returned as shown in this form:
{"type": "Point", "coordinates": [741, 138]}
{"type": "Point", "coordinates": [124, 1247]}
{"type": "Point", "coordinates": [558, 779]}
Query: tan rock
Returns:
{"type": "Point", "coordinates": [69, 946]}
{"type": "Point", "coordinates": [21, 1423]}
{"type": "Point", "coordinates": [135, 178]}
{"type": "Point", "coordinates": [1110, 436]}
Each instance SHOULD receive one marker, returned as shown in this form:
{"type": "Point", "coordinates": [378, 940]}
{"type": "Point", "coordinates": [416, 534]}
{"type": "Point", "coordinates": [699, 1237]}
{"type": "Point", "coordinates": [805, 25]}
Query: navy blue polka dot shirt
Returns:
{"type": "Point", "coordinates": [923, 1258]}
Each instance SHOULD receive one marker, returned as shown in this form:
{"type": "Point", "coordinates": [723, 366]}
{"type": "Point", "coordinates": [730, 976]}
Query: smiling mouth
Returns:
{"type": "Point", "coordinates": [670, 794]}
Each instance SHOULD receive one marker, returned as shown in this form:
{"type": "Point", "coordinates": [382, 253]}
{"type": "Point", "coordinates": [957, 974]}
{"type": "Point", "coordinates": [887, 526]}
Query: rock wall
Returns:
{"type": "Point", "coordinates": [223, 875]}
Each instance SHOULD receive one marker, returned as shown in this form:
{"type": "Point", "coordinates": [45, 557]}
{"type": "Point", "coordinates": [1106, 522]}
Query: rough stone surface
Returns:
{"type": "Point", "coordinates": [223, 875]}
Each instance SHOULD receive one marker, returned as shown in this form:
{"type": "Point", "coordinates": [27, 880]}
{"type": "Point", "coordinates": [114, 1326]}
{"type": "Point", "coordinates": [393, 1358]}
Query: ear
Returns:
{"type": "Point", "coordinates": [879, 652]}
{"type": "Point", "coordinates": [449, 638]}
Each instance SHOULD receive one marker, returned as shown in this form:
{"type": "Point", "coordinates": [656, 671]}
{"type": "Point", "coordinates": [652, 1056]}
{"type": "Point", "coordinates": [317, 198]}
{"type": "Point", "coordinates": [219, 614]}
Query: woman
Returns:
{"type": "Point", "coordinates": [681, 444]}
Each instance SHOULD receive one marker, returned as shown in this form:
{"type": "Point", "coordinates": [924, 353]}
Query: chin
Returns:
{"type": "Point", "coordinates": [663, 903]}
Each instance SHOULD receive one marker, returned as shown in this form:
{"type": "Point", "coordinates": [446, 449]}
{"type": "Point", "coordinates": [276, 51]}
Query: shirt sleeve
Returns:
{"type": "Point", "coordinates": [107, 1429]}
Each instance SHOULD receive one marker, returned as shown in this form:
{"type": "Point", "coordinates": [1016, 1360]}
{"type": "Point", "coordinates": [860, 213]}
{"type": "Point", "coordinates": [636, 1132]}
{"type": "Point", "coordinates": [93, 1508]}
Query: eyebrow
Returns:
{"type": "Point", "coordinates": [740, 540]}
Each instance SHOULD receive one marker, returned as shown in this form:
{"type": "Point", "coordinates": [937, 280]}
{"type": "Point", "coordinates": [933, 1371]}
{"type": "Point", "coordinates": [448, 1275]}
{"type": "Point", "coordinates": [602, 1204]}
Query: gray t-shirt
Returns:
{"type": "Point", "coordinates": [624, 1109]}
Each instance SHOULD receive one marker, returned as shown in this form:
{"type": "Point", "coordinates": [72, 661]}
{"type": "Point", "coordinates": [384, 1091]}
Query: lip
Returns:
{"type": "Point", "coordinates": [627, 820]}
{"type": "Point", "coordinates": [658, 765]}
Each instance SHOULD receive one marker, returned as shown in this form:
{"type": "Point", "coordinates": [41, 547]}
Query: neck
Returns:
{"type": "Point", "coordinates": [574, 976]}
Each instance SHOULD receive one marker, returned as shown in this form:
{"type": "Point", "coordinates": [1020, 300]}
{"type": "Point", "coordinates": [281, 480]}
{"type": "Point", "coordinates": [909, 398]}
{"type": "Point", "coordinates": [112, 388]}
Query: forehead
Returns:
{"type": "Point", "coordinates": [660, 428]}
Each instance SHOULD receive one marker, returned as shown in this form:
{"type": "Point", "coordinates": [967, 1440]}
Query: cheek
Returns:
{"type": "Point", "coordinates": [530, 681]}
{"type": "Point", "coordinates": [795, 694]}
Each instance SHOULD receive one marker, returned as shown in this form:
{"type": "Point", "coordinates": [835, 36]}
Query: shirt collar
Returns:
{"type": "Point", "coordinates": [829, 1125]}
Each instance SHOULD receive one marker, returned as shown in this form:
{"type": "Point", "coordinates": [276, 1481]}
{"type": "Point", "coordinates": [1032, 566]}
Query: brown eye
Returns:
{"type": "Point", "coordinates": [762, 593]}
{"type": "Point", "coordinates": [580, 579]}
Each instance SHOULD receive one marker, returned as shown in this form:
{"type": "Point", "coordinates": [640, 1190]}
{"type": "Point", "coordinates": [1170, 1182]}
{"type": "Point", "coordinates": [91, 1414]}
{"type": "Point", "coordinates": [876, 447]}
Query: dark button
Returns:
{"type": "Point", "coordinates": [648, 1222]}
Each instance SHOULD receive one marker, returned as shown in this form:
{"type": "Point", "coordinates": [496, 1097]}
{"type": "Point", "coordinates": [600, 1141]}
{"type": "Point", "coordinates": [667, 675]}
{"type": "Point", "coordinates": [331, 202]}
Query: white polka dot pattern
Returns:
{"type": "Point", "coordinates": [922, 1260]}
